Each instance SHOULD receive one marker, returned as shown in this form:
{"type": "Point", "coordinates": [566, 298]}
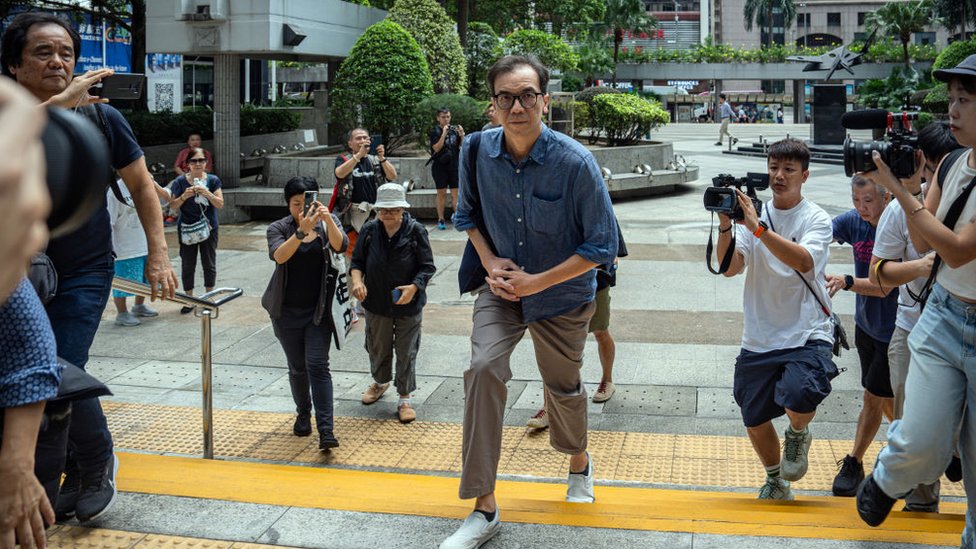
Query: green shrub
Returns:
{"type": "Point", "coordinates": [625, 118]}
{"type": "Point", "coordinates": [360, 2]}
{"type": "Point", "coordinates": [434, 31]}
{"type": "Point", "coordinates": [581, 117]}
{"type": "Point", "coordinates": [572, 83]}
{"type": "Point", "coordinates": [467, 112]}
{"type": "Point", "coordinates": [163, 128]}
{"type": "Point", "coordinates": [937, 100]}
{"type": "Point", "coordinates": [924, 119]}
{"type": "Point", "coordinates": [587, 94]}
{"type": "Point", "coordinates": [954, 54]}
{"type": "Point", "coordinates": [481, 51]}
{"type": "Point", "coordinates": [380, 82]}
{"type": "Point", "coordinates": [552, 50]}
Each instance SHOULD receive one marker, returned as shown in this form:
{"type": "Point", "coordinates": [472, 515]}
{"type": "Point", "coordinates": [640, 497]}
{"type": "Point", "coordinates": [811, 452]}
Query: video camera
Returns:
{"type": "Point", "coordinates": [897, 149]}
{"type": "Point", "coordinates": [78, 169]}
{"type": "Point", "coordinates": [721, 198]}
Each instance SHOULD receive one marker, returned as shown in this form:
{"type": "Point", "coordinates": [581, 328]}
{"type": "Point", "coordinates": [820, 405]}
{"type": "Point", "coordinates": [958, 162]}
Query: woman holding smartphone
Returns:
{"type": "Point", "coordinates": [940, 391]}
{"type": "Point", "coordinates": [198, 196]}
{"type": "Point", "coordinates": [299, 300]}
{"type": "Point", "coordinates": [391, 266]}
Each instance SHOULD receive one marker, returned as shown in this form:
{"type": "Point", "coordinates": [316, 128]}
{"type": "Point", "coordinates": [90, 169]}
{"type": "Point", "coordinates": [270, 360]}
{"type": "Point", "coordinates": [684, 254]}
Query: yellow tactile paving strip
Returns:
{"type": "Point", "coordinates": [72, 537]}
{"type": "Point", "coordinates": [633, 508]}
{"type": "Point", "coordinates": [425, 446]}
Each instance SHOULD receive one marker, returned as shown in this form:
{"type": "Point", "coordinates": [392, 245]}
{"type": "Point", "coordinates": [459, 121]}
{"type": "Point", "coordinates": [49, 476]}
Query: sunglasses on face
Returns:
{"type": "Point", "coordinates": [389, 211]}
{"type": "Point", "coordinates": [197, 160]}
{"type": "Point", "coordinates": [506, 101]}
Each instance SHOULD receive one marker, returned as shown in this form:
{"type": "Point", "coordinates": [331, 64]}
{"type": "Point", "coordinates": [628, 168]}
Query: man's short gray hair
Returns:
{"type": "Point", "coordinates": [859, 182]}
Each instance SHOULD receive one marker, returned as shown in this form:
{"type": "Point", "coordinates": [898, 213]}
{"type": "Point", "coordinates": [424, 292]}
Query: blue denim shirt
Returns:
{"type": "Point", "coordinates": [542, 211]}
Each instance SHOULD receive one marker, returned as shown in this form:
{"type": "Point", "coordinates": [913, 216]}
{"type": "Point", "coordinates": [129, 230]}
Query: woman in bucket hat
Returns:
{"type": "Point", "coordinates": [392, 264]}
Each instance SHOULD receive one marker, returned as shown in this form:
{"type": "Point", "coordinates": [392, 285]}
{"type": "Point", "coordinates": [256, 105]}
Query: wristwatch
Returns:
{"type": "Point", "coordinates": [848, 282]}
{"type": "Point", "coordinates": [300, 235]}
{"type": "Point", "coordinates": [763, 227]}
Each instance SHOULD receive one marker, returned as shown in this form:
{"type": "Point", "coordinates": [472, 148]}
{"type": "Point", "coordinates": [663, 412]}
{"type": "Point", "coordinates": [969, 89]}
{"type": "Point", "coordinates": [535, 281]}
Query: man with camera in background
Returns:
{"type": "Point", "coordinates": [785, 364]}
{"type": "Point", "coordinates": [39, 51]}
{"type": "Point", "coordinates": [445, 150]}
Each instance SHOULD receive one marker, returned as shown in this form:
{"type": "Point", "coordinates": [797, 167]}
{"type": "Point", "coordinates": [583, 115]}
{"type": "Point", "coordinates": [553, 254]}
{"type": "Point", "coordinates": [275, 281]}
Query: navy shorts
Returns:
{"type": "Point", "coordinates": [767, 384]}
{"type": "Point", "coordinates": [875, 373]}
{"type": "Point", "coordinates": [445, 175]}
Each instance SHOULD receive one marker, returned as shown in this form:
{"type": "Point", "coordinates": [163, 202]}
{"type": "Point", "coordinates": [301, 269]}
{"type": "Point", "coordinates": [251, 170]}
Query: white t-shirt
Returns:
{"type": "Point", "coordinates": [892, 241]}
{"type": "Point", "coordinates": [128, 238]}
{"type": "Point", "coordinates": [780, 312]}
{"type": "Point", "coordinates": [961, 281]}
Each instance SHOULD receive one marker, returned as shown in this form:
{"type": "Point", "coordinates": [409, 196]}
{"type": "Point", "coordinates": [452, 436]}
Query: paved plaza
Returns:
{"type": "Point", "coordinates": [677, 329]}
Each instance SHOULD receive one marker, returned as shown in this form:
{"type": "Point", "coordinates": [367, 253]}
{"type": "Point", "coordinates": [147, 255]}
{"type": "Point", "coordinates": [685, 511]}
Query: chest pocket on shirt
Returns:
{"type": "Point", "coordinates": [547, 215]}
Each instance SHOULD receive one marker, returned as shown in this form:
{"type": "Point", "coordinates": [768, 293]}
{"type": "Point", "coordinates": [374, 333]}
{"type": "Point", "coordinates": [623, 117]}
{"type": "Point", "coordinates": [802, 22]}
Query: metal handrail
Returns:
{"type": "Point", "coordinates": [207, 309]}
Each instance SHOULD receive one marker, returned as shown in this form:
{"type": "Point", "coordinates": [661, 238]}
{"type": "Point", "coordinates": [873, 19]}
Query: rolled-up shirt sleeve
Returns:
{"type": "Point", "coordinates": [466, 203]}
{"type": "Point", "coordinates": [276, 237]}
{"type": "Point", "coordinates": [594, 213]}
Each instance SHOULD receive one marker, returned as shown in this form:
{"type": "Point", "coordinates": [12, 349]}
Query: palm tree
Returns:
{"type": "Point", "coordinates": [761, 11]}
{"type": "Point", "coordinates": [902, 19]}
{"type": "Point", "coordinates": [621, 16]}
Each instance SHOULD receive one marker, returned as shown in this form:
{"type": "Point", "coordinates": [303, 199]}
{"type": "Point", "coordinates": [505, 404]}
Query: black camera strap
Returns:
{"type": "Point", "coordinates": [806, 283]}
{"type": "Point", "coordinates": [727, 260]}
{"type": "Point", "coordinates": [952, 216]}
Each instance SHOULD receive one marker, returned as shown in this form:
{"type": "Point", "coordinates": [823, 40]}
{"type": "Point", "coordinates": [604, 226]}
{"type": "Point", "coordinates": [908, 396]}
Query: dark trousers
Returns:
{"type": "Point", "coordinates": [75, 313]}
{"type": "Point", "coordinates": [208, 256]}
{"type": "Point", "coordinates": [306, 348]}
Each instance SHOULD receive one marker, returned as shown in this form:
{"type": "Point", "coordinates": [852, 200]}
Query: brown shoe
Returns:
{"type": "Point", "coordinates": [374, 392]}
{"type": "Point", "coordinates": [406, 413]}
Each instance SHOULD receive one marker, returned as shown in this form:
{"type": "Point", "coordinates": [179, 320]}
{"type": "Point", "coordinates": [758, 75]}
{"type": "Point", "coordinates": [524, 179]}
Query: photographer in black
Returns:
{"type": "Point", "coordinates": [445, 150]}
{"type": "Point", "coordinates": [785, 364]}
{"type": "Point", "coordinates": [39, 52]}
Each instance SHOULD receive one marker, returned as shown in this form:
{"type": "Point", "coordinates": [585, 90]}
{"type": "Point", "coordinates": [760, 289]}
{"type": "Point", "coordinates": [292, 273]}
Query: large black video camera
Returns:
{"type": "Point", "coordinates": [721, 197]}
{"type": "Point", "coordinates": [897, 149]}
{"type": "Point", "coordinates": [78, 169]}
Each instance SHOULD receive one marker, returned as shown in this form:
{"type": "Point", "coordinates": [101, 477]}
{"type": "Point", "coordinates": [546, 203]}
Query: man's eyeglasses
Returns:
{"type": "Point", "coordinates": [505, 101]}
{"type": "Point", "coordinates": [197, 160]}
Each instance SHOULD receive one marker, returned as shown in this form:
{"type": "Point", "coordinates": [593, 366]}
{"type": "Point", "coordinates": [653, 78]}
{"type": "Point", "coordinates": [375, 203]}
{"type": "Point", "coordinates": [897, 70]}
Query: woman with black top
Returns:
{"type": "Point", "coordinates": [198, 196]}
{"type": "Point", "coordinates": [391, 266]}
{"type": "Point", "coordinates": [299, 300]}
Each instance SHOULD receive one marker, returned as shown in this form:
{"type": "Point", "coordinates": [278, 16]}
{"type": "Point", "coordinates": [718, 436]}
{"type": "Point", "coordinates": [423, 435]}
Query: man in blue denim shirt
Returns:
{"type": "Point", "coordinates": [547, 212]}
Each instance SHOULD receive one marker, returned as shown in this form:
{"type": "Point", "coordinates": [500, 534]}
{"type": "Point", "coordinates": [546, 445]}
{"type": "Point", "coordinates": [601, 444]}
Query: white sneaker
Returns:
{"type": "Point", "coordinates": [776, 488]}
{"type": "Point", "coordinates": [126, 319]}
{"type": "Point", "coordinates": [796, 448]}
{"type": "Point", "coordinates": [474, 532]}
{"type": "Point", "coordinates": [580, 486]}
{"type": "Point", "coordinates": [144, 310]}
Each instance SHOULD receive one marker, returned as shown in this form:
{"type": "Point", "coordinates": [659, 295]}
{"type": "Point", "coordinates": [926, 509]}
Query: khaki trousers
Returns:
{"type": "Point", "coordinates": [724, 130]}
{"type": "Point", "coordinates": [558, 342]}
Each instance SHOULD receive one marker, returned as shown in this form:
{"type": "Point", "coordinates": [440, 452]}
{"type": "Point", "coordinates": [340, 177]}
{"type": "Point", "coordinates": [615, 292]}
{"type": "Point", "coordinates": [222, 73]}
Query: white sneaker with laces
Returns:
{"type": "Point", "coordinates": [776, 488]}
{"type": "Point", "coordinates": [474, 532]}
{"type": "Point", "coordinates": [796, 448]}
{"type": "Point", "coordinates": [144, 311]}
{"type": "Point", "coordinates": [580, 485]}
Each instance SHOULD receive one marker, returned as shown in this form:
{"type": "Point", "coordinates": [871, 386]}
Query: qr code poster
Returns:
{"type": "Point", "coordinates": [164, 76]}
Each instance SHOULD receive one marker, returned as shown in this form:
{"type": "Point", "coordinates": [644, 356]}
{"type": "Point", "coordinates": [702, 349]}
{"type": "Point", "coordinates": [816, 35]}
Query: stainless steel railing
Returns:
{"type": "Point", "coordinates": [207, 308]}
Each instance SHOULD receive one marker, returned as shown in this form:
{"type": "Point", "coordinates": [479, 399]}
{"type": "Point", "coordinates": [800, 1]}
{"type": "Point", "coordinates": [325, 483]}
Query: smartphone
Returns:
{"type": "Point", "coordinates": [375, 141]}
{"type": "Point", "coordinates": [119, 86]}
{"type": "Point", "coordinates": [397, 294]}
{"type": "Point", "coordinates": [310, 198]}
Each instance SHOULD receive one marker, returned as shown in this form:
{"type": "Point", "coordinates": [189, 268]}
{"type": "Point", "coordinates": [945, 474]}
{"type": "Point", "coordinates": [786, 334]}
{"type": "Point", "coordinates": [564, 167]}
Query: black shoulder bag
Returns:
{"type": "Point", "coordinates": [839, 333]}
{"type": "Point", "coordinates": [471, 273]}
{"type": "Point", "coordinates": [952, 216]}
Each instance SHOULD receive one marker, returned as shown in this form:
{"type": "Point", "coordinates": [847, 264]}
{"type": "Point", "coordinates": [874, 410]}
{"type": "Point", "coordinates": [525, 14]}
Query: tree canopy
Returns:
{"type": "Point", "coordinates": [902, 19]}
{"type": "Point", "coordinates": [434, 31]}
{"type": "Point", "coordinates": [380, 82]}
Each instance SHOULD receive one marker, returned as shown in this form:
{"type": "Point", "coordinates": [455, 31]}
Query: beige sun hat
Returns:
{"type": "Point", "coordinates": [391, 195]}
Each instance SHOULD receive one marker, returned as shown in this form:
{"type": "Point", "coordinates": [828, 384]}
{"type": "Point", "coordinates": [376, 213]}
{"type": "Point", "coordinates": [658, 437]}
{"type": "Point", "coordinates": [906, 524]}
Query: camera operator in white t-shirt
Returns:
{"type": "Point", "coordinates": [785, 364]}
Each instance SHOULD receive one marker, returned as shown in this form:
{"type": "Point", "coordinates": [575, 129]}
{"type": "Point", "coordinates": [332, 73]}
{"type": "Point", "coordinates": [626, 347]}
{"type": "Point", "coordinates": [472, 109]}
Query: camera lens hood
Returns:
{"type": "Point", "coordinates": [78, 169]}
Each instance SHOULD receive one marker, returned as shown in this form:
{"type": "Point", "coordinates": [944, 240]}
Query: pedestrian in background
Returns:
{"type": "Point", "coordinates": [131, 249]}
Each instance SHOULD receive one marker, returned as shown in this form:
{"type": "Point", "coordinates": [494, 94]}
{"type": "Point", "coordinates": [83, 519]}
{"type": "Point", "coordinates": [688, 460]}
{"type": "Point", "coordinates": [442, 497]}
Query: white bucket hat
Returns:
{"type": "Point", "coordinates": [391, 195]}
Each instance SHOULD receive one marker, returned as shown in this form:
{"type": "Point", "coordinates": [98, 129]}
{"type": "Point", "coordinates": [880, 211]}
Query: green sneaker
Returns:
{"type": "Point", "coordinates": [776, 488]}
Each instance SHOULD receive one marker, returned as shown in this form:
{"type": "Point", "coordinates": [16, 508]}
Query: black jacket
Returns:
{"type": "Point", "coordinates": [387, 262]}
{"type": "Point", "coordinates": [274, 295]}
